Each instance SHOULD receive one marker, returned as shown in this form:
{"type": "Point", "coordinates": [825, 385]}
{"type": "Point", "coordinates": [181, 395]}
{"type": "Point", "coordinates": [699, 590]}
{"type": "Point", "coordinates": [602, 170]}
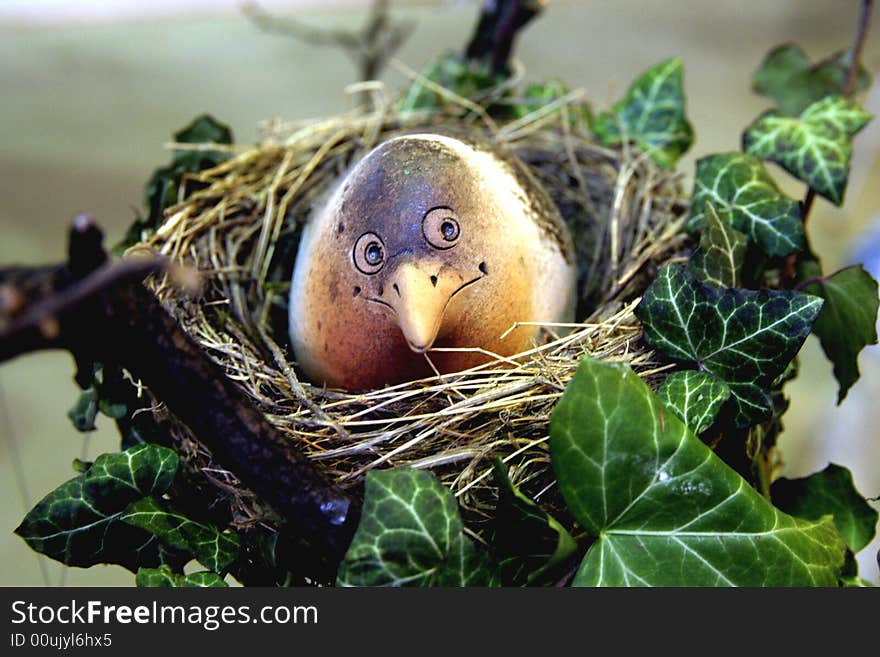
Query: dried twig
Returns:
{"type": "Point", "coordinates": [370, 47]}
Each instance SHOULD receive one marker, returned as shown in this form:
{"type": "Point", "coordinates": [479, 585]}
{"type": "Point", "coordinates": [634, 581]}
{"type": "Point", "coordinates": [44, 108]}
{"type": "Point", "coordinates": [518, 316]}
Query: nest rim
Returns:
{"type": "Point", "coordinates": [233, 230]}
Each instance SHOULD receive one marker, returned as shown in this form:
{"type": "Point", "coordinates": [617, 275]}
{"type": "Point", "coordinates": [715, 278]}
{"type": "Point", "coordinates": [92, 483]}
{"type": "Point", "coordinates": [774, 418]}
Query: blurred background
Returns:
{"type": "Point", "coordinates": [90, 92]}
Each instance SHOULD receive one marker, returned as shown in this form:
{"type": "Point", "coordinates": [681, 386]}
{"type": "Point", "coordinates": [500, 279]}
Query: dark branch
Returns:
{"type": "Point", "coordinates": [101, 312]}
{"type": "Point", "coordinates": [499, 23]}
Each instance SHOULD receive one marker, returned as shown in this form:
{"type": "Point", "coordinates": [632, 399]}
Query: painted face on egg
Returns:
{"type": "Point", "coordinates": [426, 243]}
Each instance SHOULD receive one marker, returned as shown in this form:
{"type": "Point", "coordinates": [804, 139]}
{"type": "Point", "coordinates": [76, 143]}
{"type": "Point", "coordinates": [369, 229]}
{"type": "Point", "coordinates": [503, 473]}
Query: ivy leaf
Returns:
{"type": "Point", "coordinates": [787, 77]}
{"type": "Point", "coordinates": [211, 547]}
{"type": "Point", "coordinates": [463, 77]}
{"type": "Point", "coordinates": [203, 129]}
{"type": "Point", "coordinates": [745, 338]}
{"type": "Point", "coordinates": [164, 577]}
{"type": "Point", "coordinates": [69, 526]}
{"type": "Point", "coordinates": [467, 566]}
{"type": "Point", "coordinates": [739, 187]}
{"type": "Point", "coordinates": [719, 260]}
{"type": "Point", "coordinates": [664, 509]}
{"type": "Point", "coordinates": [85, 410]}
{"type": "Point", "coordinates": [833, 492]}
{"type": "Point", "coordinates": [113, 394]}
{"type": "Point", "coordinates": [112, 410]}
{"type": "Point", "coordinates": [695, 397]}
{"type": "Point", "coordinates": [652, 115]}
{"type": "Point", "coordinates": [78, 523]}
{"type": "Point", "coordinates": [528, 542]}
{"type": "Point", "coordinates": [115, 480]}
{"type": "Point", "coordinates": [162, 189]}
{"type": "Point", "coordinates": [848, 321]}
{"type": "Point", "coordinates": [814, 147]}
{"type": "Point", "coordinates": [540, 95]}
{"type": "Point", "coordinates": [411, 534]}
{"type": "Point", "coordinates": [167, 184]}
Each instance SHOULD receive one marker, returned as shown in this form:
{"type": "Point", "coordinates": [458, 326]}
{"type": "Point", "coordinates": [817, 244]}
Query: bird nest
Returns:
{"type": "Point", "coordinates": [241, 230]}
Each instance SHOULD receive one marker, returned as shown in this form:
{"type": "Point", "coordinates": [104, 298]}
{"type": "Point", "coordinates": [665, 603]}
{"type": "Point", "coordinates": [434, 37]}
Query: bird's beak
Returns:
{"type": "Point", "coordinates": [419, 296]}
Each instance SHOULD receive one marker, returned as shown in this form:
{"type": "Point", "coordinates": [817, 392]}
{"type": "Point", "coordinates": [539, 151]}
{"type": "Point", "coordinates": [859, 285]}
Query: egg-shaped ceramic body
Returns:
{"type": "Point", "coordinates": [427, 242]}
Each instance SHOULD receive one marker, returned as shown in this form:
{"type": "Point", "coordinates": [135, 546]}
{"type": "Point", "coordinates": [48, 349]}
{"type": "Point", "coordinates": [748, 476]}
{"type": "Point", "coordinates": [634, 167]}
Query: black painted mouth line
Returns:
{"type": "Point", "coordinates": [461, 287]}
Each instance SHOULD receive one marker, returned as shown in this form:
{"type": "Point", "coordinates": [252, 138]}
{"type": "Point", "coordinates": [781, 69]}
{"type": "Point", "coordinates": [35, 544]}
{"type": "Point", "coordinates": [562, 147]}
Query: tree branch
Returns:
{"type": "Point", "coordinates": [101, 312]}
{"type": "Point", "coordinates": [499, 23]}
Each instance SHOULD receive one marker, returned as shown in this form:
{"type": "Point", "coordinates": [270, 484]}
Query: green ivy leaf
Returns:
{"type": "Point", "coordinates": [539, 95]}
{"type": "Point", "coordinates": [203, 129]}
{"type": "Point", "coordinates": [664, 509]}
{"type": "Point", "coordinates": [121, 478]}
{"type": "Point", "coordinates": [814, 147]}
{"type": "Point", "coordinates": [744, 338]}
{"type": "Point", "coordinates": [68, 526]}
{"type": "Point", "coordinates": [113, 394]}
{"type": "Point", "coordinates": [652, 115]}
{"type": "Point", "coordinates": [166, 184]}
{"type": "Point", "coordinates": [85, 410]}
{"type": "Point", "coordinates": [848, 321]}
{"type": "Point", "coordinates": [211, 547]}
{"type": "Point", "coordinates": [719, 260]}
{"type": "Point", "coordinates": [744, 194]}
{"type": "Point", "coordinates": [695, 397]}
{"type": "Point", "coordinates": [467, 566]}
{"type": "Point", "coordinates": [411, 534]}
{"type": "Point", "coordinates": [787, 77]}
{"type": "Point", "coordinates": [80, 466]}
{"type": "Point", "coordinates": [465, 78]}
{"type": "Point", "coordinates": [164, 577]}
{"type": "Point", "coordinates": [833, 492]}
{"type": "Point", "coordinates": [162, 188]}
{"type": "Point", "coordinates": [527, 541]}
{"type": "Point", "coordinates": [112, 410]}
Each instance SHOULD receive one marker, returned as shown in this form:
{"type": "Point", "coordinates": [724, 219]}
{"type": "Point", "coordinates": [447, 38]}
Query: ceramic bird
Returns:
{"type": "Point", "coordinates": [428, 241]}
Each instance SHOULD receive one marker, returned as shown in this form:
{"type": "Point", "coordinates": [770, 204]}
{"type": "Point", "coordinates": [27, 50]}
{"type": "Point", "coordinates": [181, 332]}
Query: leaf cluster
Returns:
{"type": "Point", "coordinates": [653, 503]}
{"type": "Point", "coordinates": [116, 512]}
{"type": "Point", "coordinates": [657, 507]}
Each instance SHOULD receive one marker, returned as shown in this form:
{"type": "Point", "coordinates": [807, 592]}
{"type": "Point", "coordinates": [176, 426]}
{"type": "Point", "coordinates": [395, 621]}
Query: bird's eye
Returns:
{"type": "Point", "coordinates": [441, 228]}
{"type": "Point", "coordinates": [369, 253]}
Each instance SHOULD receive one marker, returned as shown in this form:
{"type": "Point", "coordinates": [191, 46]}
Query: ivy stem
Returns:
{"type": "Point", "coordinates": [816, 279]}
{"type": "Point", "coordinates": [808, 204]}
{"type": "Point", "coordinates": [764, 474]}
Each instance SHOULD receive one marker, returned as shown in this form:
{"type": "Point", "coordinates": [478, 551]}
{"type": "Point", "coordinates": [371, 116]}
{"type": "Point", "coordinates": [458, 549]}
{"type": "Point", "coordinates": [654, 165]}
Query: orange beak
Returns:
{"type": "Point", "coordinates": [420, 294]}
